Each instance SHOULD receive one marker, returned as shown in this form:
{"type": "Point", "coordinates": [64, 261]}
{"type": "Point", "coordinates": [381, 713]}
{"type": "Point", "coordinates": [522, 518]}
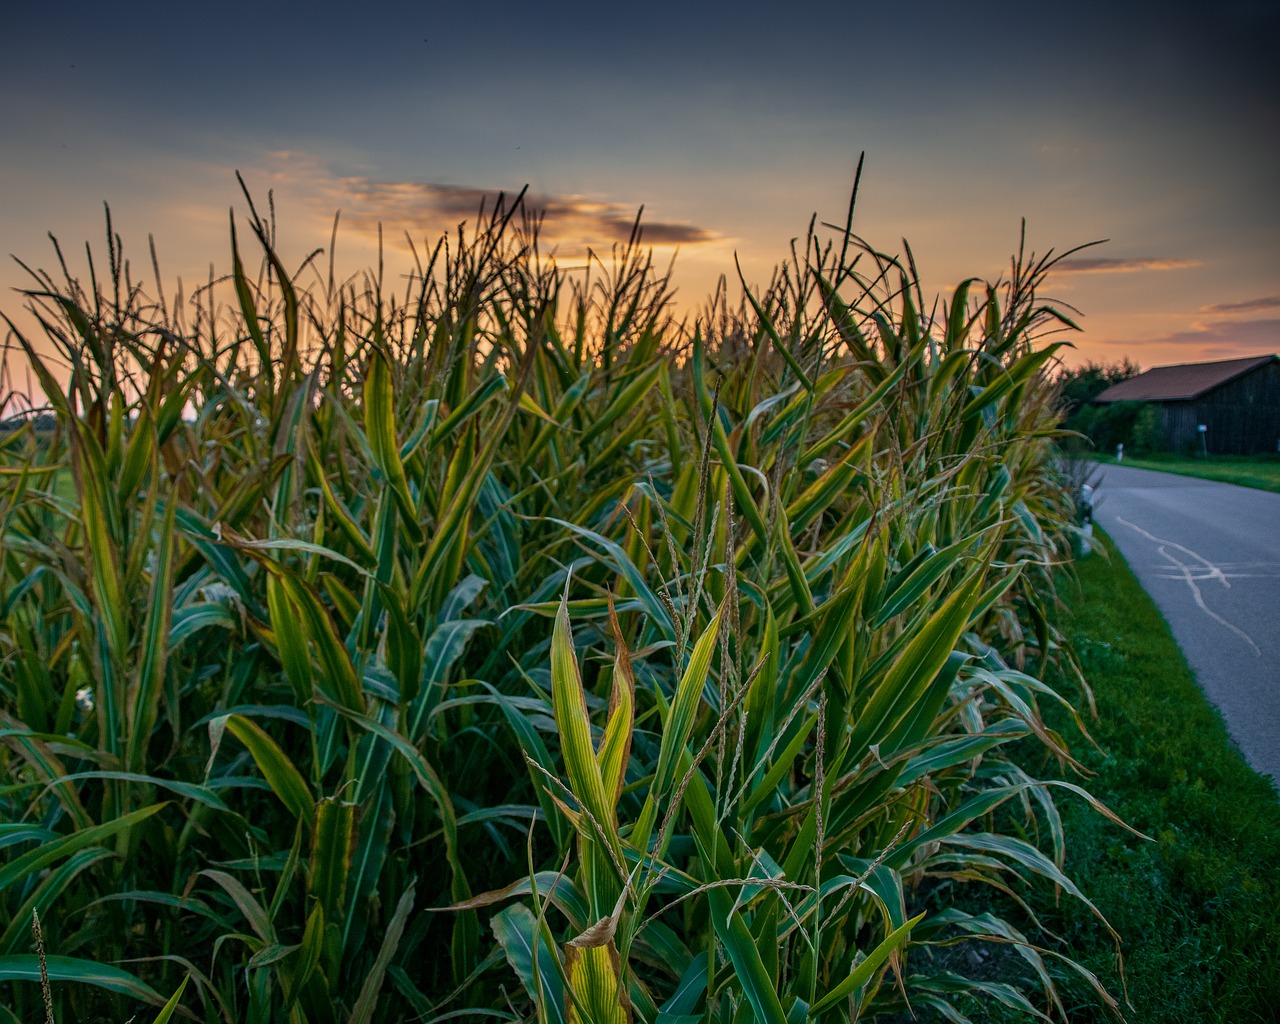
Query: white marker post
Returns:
{"type": "Point", "coordinates": [1120, 453]}
{"type": "Point", "coordinates": [1204, 445]}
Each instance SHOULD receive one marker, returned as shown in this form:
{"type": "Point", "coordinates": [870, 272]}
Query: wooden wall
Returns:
{"type": "Point", "coordinates": [1243, 416]}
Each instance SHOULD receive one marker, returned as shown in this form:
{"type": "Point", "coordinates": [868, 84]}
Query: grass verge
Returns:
{"type": "Point", "coordinates": [1198, 908]}
{"type": "Point", "coordinates": [1258, 471]}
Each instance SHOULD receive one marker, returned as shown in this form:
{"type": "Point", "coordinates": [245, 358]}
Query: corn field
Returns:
{"type": "Point", "coordinates": [490, 646]}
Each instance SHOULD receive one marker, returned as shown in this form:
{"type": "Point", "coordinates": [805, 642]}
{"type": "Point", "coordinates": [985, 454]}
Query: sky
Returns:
{"type": "Point", "coordinates": [1153, 125]}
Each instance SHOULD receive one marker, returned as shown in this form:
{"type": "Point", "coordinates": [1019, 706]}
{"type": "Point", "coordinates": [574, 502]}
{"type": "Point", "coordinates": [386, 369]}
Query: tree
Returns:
{"type": "Point", "coordinates": [1102, 426]}
{"type": "Point", "coordinates": [1080, 385]}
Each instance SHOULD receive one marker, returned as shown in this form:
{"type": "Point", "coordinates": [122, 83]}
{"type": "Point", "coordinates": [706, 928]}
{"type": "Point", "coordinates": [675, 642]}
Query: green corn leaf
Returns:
{"type": "Point", "coordinates": [427, 419]}
{"type": "Point", "coordinates": [767, 323]}
{"type": "Point", "coordinates": [921, 720]}
{"type": "Point", "coordinates": [574, 724]}
{"type": "Point", "coordinates": [103, 553]}
{"type": "Point", "coordinates": [341, 514]}
{"type": "Point", "coordinates": [248, 311]}
{"type": "Point", "coordinates": [1016, 376]}
{"type": "Point", "coordinates": [949, 375]}
{"type": "Point", "coordinates": [332, 847]}
{"type": "Point", "coordinates": [337, 678]}
{"type": "Point", "coordinates": [15, 834]}
{"type": "Point", "coordinates": [533, 746]}
{"type": "Point", "coordinates": [188, 620]}
{"type": "Point", "coordinates": [446, 644]}
{"type": "Point", "coordinates": [461, 597]}
{"type": "Point", "coordinates": [850, 422]}
{"type": "Point", "coordinates": [781, 765]}
{"type": "Point", "coordinates": [915, 669]}
{"type": "Point", "coordinates": [36, 860]}
{"type": "Point", "coordinates": [562, 892]}
{"type": "Point", "coordinates": [144, 702]}
{"type": "Point", "coordinates": [656, 610]}
{"type": "Point", "coordinates": [684, 708]}
{"type": "Point", "coordinates": [254, 913]}
{"type": "Point", "coordinates": [430, 781]}
{"type": "Point", "coordinates": [220, 556]}
{"type": "Point", "coordinates": [515, 929]}
{"type": "Point", "coordinates": [594, 987]}
{"type": "Point", "coordinates": [26, 967]}
{"type": "Point", "coordinates": [907, 588]}
{"type": "Point", "coordinates": [41, 751]}
{"type": "Point", "coordinates": [289, 357]}
{"type": "Point", "coordinates": [292, 544]}
{"type": "Point", "coordinates": [138, 454]}
{"type": "Point", "coordinates": [625, 401]}
{"type": "Point", "coordinates": [863, 973]}
{"type": "Point", "coordinates": [276, 767]}
{"type": "Point", "coordinates": [948, 754]}
{"type": "Point", "coordinates": [692, 987]}
{"type": "Point", "coordinates": [951, 985]}
{"type": "Point", "coordinates": [801, 592]}
{"type": "Point", "coordinates": [885, 884]}
{"type": "Point", "coordinates": [761, 703]}
{"type": "Point", "coordinates": [831, 632]}
{"type": "Point", "coordinates": [380, 428]}
{"type": "Point", "coordinates": [171, 1006]}
{"type": "Point", "coordinates": [847, 326]}
{"type": "Point", "coordinates": [743, 499]}
{"type": "Point", "coordinates": [616, 745]}
{"type": "Point", "coordinates": [52, 885]}
{"type": "Point", "coordinates": [951, 823]}
{"type": "Point", "coordinates": [958, 315]}
{"type": "Point", "coordinates": [1019, 851]}
{"type": "Point", "coordinates": [836, 482]}
{"type": "Point", "coordinates": [441, 563]}
{"type": "Point", "coordinates": [374, 831]}
{"type": "Point", "coordinates": [192, 791]}
{"type": "Point", "coordinates": [471, 405]}
{"type": "Point", "coordinates": [749, 970]}
{"type": "Point", "coordinates": [404, 645]}
{"type": "Point", "coordinates": [366, 1003]}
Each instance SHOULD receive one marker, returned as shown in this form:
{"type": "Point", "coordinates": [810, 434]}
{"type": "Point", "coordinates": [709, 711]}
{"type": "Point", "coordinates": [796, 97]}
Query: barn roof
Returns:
{"type": "Point", "coordinates": [1182, 382]}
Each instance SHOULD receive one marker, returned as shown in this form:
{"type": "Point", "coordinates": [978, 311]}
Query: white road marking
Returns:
{"type": "Point", "coordinates": [1190, 574]}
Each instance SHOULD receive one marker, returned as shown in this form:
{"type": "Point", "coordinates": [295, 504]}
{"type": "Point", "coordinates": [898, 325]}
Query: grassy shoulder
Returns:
{"type": "Point", "coordinates": [1198, 906]}
{"type": "Point", "coordinates": [1258, 471]}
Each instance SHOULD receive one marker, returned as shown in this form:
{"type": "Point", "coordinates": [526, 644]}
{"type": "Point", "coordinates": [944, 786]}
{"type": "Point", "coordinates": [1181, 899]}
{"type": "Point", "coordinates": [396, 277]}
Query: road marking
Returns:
{"type": "Point", "coordinates": [1190, 574]}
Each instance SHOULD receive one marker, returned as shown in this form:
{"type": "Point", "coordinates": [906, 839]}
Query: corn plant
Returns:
{"type": "Point", "coordinates": [496, 646]}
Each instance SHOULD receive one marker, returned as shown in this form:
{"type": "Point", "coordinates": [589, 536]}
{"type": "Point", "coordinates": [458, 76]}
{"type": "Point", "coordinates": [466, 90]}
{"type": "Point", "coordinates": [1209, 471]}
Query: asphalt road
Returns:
{"type": "Point", "coordinates": [1209, 555]}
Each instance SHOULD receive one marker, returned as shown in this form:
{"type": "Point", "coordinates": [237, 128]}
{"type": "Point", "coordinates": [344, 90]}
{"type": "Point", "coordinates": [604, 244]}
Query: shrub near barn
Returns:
{"type": "Point", "coordinates": [498, 647]}
{"type": "Point", "coordinates": [1102, 426]}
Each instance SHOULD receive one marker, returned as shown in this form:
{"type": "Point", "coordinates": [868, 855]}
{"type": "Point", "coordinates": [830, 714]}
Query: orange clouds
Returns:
{"type": "Point", "coordinates": [1121, 265]}
{"type": "Point", "coordinates": [1248, 306]}
{"type": "Point", "coordinates": [569, 223]}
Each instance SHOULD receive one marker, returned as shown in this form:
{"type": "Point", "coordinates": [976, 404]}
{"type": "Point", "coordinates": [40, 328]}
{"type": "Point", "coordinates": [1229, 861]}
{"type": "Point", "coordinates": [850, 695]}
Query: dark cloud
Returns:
{"type": "Point", "coordinates": [1121, 265]}
{"type": "Point", "coordinates": [659, 232]}
{"type": "Point", "coordinates": [1248, 306]}
{"type": "Point", "coordinates": [1225, 339]}
{"type": "Point", "coordinates": [571, 222]}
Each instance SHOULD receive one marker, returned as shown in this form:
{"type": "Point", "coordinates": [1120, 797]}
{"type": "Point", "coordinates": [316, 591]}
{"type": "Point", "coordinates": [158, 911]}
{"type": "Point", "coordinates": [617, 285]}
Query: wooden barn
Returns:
{"type": "Point", "coordinates": [1236, 400]}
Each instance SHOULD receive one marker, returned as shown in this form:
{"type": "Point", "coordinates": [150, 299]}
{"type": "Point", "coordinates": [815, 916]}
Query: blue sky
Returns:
{"type": "Point", "coordinates": [1154, 125]}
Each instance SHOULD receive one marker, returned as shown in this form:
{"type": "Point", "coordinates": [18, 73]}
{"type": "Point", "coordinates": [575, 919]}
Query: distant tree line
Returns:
{"type": "Point", "coordinates": [39, 422]}
{"type": "Point", "coordinates": [1133, 424]}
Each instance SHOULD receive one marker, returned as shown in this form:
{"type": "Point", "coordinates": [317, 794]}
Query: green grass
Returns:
{"type": "Point", "coordinates": [1259, 471]}
{"type": "Point", "coordinates": [1198, 907]}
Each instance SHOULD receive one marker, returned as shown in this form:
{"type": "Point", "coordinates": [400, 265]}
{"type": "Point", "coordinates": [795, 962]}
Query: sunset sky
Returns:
{"type": "Point", "coordinates": [1156, 126]}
